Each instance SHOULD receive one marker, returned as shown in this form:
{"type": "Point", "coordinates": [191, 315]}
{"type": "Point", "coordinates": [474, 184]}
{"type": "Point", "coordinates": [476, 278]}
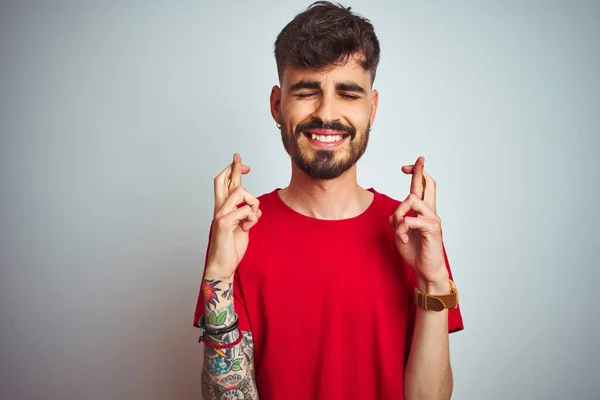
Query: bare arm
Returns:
{"type": "Point", "coordinates": [227, 372]}
{"type": "Point", "coordinates": [428, 374]}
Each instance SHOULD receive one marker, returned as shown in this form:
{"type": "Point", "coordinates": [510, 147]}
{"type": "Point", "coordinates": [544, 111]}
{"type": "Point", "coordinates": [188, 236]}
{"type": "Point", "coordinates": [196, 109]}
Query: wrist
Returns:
{"type": "Point", "coordinates": [215, 318]}
{"type": "Point", "coordinates": [216, 274]}
{"type": "Point", "coordinates": [218, 299]}
{"type": "Point", "coordinates": [437, 286]}
{"type": "Point", "coordinates": [219, 308]}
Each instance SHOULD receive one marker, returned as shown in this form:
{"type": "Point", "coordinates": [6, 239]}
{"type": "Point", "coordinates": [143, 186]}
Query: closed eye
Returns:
{"type": "Point", "coordinates": [305, 95]}
{"type": "Point", "coordinates": [348, 96]}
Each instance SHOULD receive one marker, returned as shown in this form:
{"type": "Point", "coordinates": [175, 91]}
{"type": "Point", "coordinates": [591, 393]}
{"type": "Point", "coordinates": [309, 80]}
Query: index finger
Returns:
{"type": "Point", "coordinates": [417, 182]}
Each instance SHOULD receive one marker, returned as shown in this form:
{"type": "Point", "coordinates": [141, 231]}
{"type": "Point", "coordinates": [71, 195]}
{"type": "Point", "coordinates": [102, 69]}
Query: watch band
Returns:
{"type": "Point", "coordinates": [437, 302]}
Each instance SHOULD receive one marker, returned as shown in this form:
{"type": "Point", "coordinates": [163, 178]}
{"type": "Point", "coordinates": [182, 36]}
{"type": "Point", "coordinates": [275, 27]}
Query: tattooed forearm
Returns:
{"type": "Point", "coordinates": [218, 311]}
{"type": "Point", "coordinates": [227, 373]}
{"type": "Point", "coordinates": [232, 376]}
{"type": "Point", "coordinates": [232, 387]}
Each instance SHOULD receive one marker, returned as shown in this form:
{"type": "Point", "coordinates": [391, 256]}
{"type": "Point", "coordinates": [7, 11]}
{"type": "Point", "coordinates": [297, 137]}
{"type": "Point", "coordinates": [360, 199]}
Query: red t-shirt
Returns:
{"type": "Point", "coordinates": [329, 304]}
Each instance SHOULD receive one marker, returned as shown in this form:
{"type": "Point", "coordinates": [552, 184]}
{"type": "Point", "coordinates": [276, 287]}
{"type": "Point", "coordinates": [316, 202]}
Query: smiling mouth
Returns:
{"type": "Point", "coordinates": [326, 138]}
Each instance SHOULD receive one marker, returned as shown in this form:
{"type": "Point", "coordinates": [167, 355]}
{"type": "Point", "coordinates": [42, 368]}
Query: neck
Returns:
{"type": "Point", "coordinates": [334, 199]}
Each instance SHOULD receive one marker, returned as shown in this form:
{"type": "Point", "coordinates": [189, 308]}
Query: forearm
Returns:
{"type": "Point", "coordinates": [226, 371]}
{"type": "Point", "coordinates": [428, 374]}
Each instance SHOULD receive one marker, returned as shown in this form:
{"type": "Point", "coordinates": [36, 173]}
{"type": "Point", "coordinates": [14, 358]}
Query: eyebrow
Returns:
{"type": "Point", "coordinates": [349, 87]}
{"type": "Point", "coordinates": [305, 84]}
{"type": "Point", "coordinates": [343, 86]}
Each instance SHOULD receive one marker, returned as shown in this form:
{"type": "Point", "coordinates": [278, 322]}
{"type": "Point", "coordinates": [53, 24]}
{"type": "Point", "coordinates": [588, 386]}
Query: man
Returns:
{"type": "Point", "coordinates": [311, 291]}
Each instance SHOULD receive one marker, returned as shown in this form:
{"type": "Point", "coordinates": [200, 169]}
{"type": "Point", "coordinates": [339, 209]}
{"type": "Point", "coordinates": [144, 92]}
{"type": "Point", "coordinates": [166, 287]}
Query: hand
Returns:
{"type": "Point", "coordinates": [231, 224]}
{"type": "Point", "coordinates": [418, 231]}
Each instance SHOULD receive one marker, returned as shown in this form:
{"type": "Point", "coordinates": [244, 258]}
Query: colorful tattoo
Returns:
{"type": "Point", "coordinates": [221, 365]}
{"type": "Point", "coordinates": [247, 346]}
{"type": "Point", "coordinates": [227, 294]}
{"type": "Point", "coordinates": [209, 292]}
{"type": "Point", "coordinates": [237, 388]}
{"type": "Point", "coordinates": [217, 320]}
{"type": "Point", "coordinates": [230, 375]}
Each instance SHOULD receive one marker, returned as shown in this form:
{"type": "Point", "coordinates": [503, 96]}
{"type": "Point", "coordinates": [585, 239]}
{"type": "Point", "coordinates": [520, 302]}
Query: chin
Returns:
{"type": "Point", "coordinates": [322, 169]}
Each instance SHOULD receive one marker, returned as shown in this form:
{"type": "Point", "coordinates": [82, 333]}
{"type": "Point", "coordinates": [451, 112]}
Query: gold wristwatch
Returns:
{"type": "Point", "coordinates": [437, 302]}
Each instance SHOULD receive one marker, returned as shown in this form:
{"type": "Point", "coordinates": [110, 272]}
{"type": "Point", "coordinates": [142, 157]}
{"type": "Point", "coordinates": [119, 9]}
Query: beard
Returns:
{"type": "Point", "coordinates": [325, 164]}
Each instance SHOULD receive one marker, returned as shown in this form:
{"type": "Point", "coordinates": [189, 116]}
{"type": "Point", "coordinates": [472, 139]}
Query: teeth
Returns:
{"type": "Point", "coordinates": [326, 138]}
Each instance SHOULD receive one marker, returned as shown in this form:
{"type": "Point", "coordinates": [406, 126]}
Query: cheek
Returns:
{"type": "Point", "coordinates": [298, 111]}
{"type": "Point", "coordinates": [357, 113]}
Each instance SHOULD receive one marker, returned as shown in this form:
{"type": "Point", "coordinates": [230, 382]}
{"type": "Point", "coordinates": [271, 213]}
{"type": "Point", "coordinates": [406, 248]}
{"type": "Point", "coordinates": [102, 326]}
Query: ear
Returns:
{"type": "Point", "coordinates": [374, 104]}
{"type": "Point", "coordinates": [276, 104]}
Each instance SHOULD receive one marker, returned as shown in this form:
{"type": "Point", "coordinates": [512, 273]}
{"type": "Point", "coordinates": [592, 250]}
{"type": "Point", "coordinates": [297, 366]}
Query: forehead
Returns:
{"type": "Point", "coordinates": [350, 70]}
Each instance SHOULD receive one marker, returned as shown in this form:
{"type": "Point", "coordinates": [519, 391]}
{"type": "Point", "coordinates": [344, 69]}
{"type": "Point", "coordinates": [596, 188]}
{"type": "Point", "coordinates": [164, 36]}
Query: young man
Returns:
{"type": "Point", "coordinates": [323, 289]}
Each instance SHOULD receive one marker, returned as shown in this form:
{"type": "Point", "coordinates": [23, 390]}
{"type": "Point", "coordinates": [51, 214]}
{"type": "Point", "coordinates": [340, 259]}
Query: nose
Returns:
{"type": "Point", "coordinates": [326, 109]}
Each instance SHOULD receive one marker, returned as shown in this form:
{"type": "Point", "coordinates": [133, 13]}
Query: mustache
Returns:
{"type": "Point", "coordinates": [318, 123]}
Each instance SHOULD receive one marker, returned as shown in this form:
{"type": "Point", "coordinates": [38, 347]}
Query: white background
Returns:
{"type": "Point", "coordinates": [115, 117]}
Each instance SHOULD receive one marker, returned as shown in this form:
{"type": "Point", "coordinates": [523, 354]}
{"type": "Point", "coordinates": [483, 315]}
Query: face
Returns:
{"type": "Point", "coordinates": [325, 117]}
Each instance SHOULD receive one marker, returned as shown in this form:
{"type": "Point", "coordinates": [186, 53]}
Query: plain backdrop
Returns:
{"type": "Point", "coordinates": [116, 116]}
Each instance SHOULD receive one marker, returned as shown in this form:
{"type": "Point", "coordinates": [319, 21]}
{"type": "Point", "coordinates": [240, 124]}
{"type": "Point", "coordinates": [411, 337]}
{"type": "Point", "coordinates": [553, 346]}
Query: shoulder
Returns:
{"type": "Point", "coordinates": [269, 196]}
{"type": "Point", "coordinates": [269, 199]}
{"type": "Point", "coordinates": [386, 203]}
{"type": "Point", "coordinates": [272, 206]}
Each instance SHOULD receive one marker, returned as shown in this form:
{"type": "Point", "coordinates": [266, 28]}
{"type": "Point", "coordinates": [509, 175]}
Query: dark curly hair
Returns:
{"type": "Point", "coordinates": [326, 34]}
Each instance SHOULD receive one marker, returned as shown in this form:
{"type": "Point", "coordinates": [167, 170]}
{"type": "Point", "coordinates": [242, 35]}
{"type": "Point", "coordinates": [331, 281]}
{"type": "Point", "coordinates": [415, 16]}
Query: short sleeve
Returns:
{"type": "Point", "coordinates": [238, 300]}
{"type": "Point", "coordinates": [455, 322]}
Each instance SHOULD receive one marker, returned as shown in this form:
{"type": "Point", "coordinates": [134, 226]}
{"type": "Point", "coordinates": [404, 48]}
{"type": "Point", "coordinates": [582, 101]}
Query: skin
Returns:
{"type": "Point", "coordinates": [341, 197]}
{"type": "Point", "coordinates": [343, 94]}
{"type": "Point", "coordinates": [228, 373]}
